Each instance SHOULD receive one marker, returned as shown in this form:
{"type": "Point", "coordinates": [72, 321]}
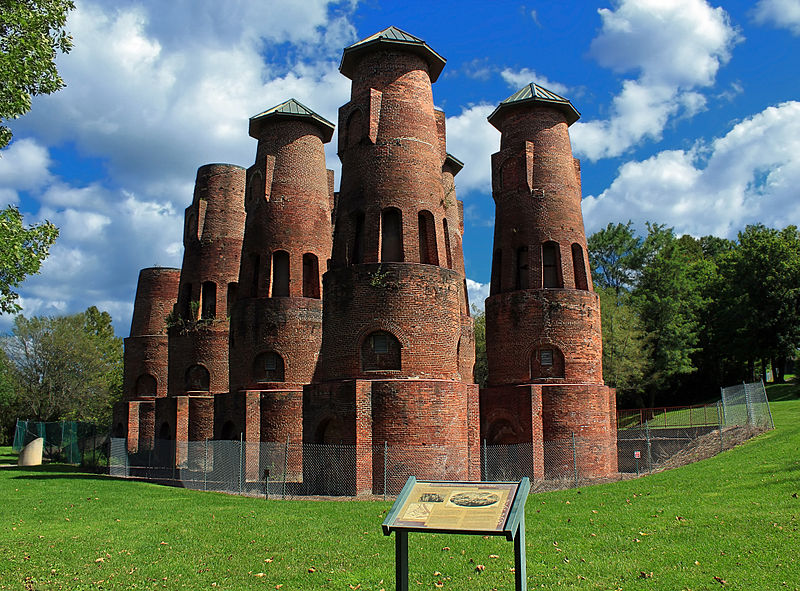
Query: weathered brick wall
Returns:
{"type": "Point", "coordinates": [146, 348]}
{"type": "Point", "coordinates": [145, 356]}
{"type": "Point", "coordinates": [288, 206]}
{"type": "Point", "coordinates": [206, 346]}
{"type": "Point", "coordinates": [588, 411]}
{"type": "Point", "coordinates": [520, 323]}
{"type": "Point", "coordinates": [536, 188]}
{"type": "Point", "coordinates": [213, 235]}
{"type": "Point", "coordinates": [156, 293]}
{"type": "Point", "coordinates": [419, 304]}
{"type": "Point", "coordinates": [393, 159]}
{"type": "Point", "coordinates": [543, 337]}
{"type": "Point", "coordinates": [290, 327]}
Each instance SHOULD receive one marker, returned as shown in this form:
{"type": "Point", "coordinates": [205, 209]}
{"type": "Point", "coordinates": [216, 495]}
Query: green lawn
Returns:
{"type": "Point", "coordinates": [7, 456]}
{"type": "Point", "coordinates": [732, 518]}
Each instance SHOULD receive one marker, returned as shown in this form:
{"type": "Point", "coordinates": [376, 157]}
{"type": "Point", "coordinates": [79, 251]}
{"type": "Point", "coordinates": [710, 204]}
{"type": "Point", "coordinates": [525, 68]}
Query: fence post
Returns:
{"type": "Point", "coordinates": [485, 463]}
{"type": "Point", "coordinates": [241, 459]}
{"type": "Point", "coordinates": [766, 401]}
{"type": "Point", "coordinates": [719, 421]}
{"type": "Point", "coordinates": [205, 466]}
{"type": "Point", "coordinates": [285, 465]}
{"type": "Point", "coordinates": [385, 465]}
{"type": "Point", "coordinates": [649, 448]}
{"type": "Point", "coordinates": [747, 405]}
{"type": "Point", "coordinates": [724, 413]}
{"type": "Point", "coordinates": [574, 459]}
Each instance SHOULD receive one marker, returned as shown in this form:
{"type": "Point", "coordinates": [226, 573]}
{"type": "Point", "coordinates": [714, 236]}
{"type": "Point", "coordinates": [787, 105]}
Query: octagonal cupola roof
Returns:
{"type": "Point", "coordinates": [533, 93]}
{"type": "Point", "coordinates": [291, 109]}
{"type": "Point", "coordinates": [392, 36]}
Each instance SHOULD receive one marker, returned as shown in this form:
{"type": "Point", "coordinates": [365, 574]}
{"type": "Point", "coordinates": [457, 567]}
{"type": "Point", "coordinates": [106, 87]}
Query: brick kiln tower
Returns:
{"type": "Point", "coordinates": [276, 322]}
{"type": "Point", "coordinates": [198, 333]}
{"type": "Point", "coordinates": [145, 359]}
{"type": "Point", "coordinates": [543, 339]}
{"type": "Point", "coordinates": [397, 346]}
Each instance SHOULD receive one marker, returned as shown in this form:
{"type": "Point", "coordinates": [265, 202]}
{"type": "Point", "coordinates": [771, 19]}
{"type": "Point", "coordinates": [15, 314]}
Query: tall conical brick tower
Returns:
{"type": "Point", "coordinates": [394, 365]}
{"type": "Point", "coordinates": [276, 322]}
{"type": "Point", "coordinates": [198, 333]}
{"type": "Point", "coordinates": [145, 361]}
{"type": "Point", "coordinates": [543, 339]}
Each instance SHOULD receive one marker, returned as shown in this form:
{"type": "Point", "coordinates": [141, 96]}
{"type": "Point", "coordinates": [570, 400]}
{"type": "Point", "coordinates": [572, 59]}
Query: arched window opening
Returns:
{"type": "Point", "coordinates": [551, 265]}
{"type": "Point", "coordinates": [186, 301]}
{"type": "Point", "coordinates": [547, 362]}
{"type": "Point", "coordinates": [355, 128]}
{"type": "Point", "coordinates": [502, 432]}
{"type": "Point", "coordinates": [579, 267]}
{"type": "Point", "coordinates": [280, 274]}
{"type": "Point", "coordinates": [165, 431]}
{"type": "Point", "coordinates": [255, 188]}
{"type": "Point", "coordinates": [497, 262]}
{"type": "Point", "coordinates": [510, 174]}
{"type": "Point", "coordinates": [447, 250]}
{"type": "Point", "coordinates": [197, 379]}
{"type": "Point", "coordinates": [391, 235]}
{"type": "Point", "coordinates": [255, 270]}
{"type": "Point", "coordinates": [357, 248]}
{"type": "Point", "coordinates": [329, 432]}
{"type": "Point", "coordinates": [208, 300]}
{"type": "Point", "coordinates": [230, 300]}
{"type": "Point", "coordinates": [146, 385]}
{"type": "Point", "coordinates": [191, 230]}
{"type": "Point", "coordinates": [380, 351]}
{"type": "Point", "coordinates": [428, 251]}
{"type": "Point", "coordinates": [229, 431]}
{"type": "Point", "coordinates": [268, 367]}
{"type": "Point", "coordinates": [521, 280]}
{"type": "Point", "coordinates": [310, 276]}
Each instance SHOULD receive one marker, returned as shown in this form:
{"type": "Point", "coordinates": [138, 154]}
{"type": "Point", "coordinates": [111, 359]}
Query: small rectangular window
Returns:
{"type": "Point", "coordinates": [380, 343]}
{"type": "Point", "coordinates": [547, 356]}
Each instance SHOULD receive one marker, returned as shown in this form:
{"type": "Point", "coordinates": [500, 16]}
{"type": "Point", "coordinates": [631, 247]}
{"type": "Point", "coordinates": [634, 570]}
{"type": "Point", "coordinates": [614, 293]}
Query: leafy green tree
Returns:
{"type": "Point", "coordinates": [8, 400]}
{"type": "Point", "coordinates": [626, 348]}
{"type": "Point", "coordinates": [481, 370]}
{"type": "Point", "coordinates": [615, 254]}
{"type": "Point", "coordinates": [66, 367]}
{"type": "Point", "coordinates": [670, 300]}
{"type": "Point", "coordinates": [31, 34]}
{"type": "Point", "coordinates": [763, 273]}
{"type": "Point", "coordinates": [22, 251]}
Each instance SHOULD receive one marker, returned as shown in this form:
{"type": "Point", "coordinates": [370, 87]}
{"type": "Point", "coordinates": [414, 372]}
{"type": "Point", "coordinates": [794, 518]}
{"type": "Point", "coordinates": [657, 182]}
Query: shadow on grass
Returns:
{"type": "Point", "coordinates": [52, 471]}
{"type": "Point", "coordinates": [781, 392]}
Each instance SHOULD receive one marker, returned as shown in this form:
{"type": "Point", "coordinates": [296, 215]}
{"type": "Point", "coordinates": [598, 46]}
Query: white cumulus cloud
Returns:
{"type": "Point", "coordinates": [780, 13]}
{"type": "Point", "coordinates": [673, 49]}
{"type": "Point", "coordinates": [749, 175]}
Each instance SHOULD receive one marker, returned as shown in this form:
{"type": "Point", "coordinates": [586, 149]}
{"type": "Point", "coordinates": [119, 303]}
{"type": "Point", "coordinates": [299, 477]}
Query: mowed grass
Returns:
{"type": "Point", "coordinates": [730, 522]}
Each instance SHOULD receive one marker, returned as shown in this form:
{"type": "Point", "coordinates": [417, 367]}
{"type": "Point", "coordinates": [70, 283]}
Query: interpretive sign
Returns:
{"type": "Point", "coordinates": [486, 508]}
{"type": "Point", "coordinates": [456, 506]}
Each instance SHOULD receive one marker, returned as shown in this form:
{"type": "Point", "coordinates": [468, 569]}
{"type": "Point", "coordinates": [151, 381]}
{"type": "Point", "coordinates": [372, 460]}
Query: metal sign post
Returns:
{"type": "Point", "coordinates": [473, 508]}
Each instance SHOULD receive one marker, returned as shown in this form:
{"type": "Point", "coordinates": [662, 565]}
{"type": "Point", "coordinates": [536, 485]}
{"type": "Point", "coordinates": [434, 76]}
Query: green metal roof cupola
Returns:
{"type": "Point", "coordinates": [533, 94]}
{"type": "Point", "coordinates": [291, 109]}
{"type": "Point", "coordinates": [392, 36]}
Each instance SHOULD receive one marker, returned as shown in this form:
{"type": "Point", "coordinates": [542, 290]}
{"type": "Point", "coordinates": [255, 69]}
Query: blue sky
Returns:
{"type": "Point", "coordinates": [690, 116]}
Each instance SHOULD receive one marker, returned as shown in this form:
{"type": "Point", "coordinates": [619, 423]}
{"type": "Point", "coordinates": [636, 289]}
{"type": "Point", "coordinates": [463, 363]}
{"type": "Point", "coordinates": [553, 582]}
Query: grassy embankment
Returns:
{"type": "Point", "coordinates": [728, 522]}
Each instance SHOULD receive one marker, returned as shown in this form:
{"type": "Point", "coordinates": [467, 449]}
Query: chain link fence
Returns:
{"type": "Point", "coordinates": [656, 440]}
{"type": "Point", "coordinates": [71, 442]}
